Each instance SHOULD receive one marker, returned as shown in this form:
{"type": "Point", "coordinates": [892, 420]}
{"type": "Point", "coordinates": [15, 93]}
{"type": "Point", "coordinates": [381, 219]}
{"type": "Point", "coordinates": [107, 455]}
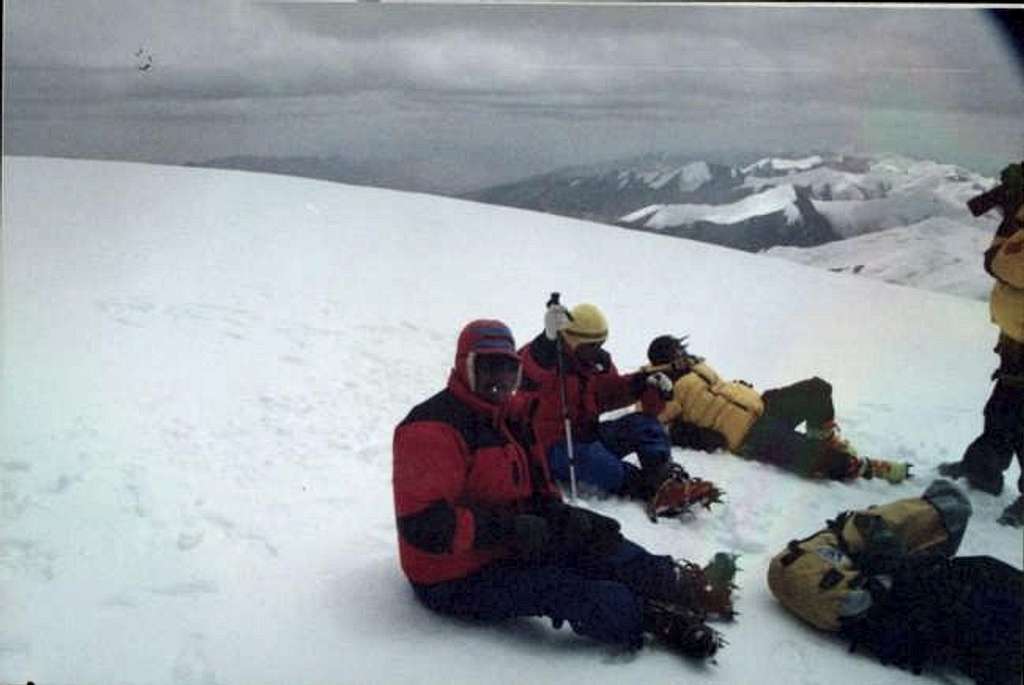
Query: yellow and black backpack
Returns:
{"type": "Point", "coordinates": [831, 576]}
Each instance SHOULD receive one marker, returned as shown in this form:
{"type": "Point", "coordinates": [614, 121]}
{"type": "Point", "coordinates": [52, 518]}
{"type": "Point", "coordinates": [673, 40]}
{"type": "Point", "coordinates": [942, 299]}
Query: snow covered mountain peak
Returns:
{"type": "Point", "coordinates": [781, 198]}
{"type": "Point", "coordinates": [775, 166]}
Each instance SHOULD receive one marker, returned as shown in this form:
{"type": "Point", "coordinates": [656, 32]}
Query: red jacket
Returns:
{"type": "Point", "coordinates": [589, 392]}
{"type": "Point", "coordinates": [459, 470]}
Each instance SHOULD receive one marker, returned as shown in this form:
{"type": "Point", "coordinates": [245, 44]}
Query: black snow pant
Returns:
{"type": "Point", "coordinates": [965, 612]}
{"type": "Point", "coordinates": [1003, 435]}
{"type": "Point", "coordinates": [774, 439]}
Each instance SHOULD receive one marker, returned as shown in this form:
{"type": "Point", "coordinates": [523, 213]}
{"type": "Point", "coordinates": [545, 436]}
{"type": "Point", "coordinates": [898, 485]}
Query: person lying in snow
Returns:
{"type": "Point", "coordinates": [568, 371]}
{"type": "Point", "coordinates": [887, 578]}
{"type": "Point", "coordinates": [483, 532]}
{"type": "Point", "coordinates": [708, 413]}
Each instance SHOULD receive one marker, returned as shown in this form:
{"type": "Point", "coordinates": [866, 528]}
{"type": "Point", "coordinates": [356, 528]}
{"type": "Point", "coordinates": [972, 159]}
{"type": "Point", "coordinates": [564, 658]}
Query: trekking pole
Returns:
{"type": "Point", "coordinates": [565, 408]}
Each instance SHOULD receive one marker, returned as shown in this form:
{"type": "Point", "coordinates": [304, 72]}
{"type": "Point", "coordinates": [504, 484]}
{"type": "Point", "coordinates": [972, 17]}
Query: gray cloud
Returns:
{"type": "Point", "coordinates": [557, 84]}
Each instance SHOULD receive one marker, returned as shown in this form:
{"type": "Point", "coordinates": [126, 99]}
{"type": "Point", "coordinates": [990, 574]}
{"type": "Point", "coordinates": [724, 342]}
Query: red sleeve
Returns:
{"type": "Point", "coordinates": [614, 391]}
{"type": "Point", "coordinates": [430, 467]}
{"type": "Point", "coordinates": [651, 402]}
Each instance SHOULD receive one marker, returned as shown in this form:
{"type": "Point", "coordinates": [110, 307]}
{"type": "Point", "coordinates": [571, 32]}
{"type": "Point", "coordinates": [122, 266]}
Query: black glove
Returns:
{"type": "Point", "coordinates": [600, 534]}
{"type": "Point", "coordinates": [583, 531]}
{"type": "Point", "coordinates": [528, 536]}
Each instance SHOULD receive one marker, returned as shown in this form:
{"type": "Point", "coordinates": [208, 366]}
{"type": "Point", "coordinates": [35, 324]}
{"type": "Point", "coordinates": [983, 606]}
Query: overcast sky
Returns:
{"type": "Point", "coordinates": [479, 94]}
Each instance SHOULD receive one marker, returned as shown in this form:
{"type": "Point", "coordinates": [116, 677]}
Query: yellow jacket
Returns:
{"type": "Point", "coordinates": [1007, 302]}
{"type": "Point", "coordinates": [702, 398]}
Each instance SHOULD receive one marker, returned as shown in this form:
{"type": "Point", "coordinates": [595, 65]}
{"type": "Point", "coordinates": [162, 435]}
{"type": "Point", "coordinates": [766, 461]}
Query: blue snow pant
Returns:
{"type": "Point", "coordinates": [599, 463]}
{"type": "Point", "coordinates": [600, 597]}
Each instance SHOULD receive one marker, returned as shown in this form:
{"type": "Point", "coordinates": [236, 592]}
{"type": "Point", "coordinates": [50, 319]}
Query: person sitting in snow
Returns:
{"type": "Point", "coordinates": [574, 380]}
{"type": "Point", "coordinates": [991, 453]}
{"type": "Point", "coordinates": [708, 413]}
{"type": "Point", "coordinates": [484, 534]}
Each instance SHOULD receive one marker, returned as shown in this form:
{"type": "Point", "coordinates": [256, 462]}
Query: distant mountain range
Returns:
{"type": "Point", "coordinates": [885, 216]}
{"type": "Point", "coordinates": [771, 202]}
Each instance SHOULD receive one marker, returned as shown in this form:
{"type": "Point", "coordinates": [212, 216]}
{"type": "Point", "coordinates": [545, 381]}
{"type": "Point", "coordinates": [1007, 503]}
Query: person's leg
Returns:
{"type": "Point", "coordinates": [992, 452]}
{"type": "Point", "coordinates": [775, 442]}
{"type": "Point", "coordinates": [601, 609]}
{"type": "Point", "coordinates": [638, 433]}
{"type": "Point", "coordinates": [809, 400]}
{"type": "Point", "coordinates": [662, 579]}
{"type": "Point", "coordinates": [1003, 434]}
{"type": "Point", "coordinates": [596, 467]}
{"type": "Point", "coordinates": [642, 434]}
{"type": "Point", "coordinates": [649, 575]}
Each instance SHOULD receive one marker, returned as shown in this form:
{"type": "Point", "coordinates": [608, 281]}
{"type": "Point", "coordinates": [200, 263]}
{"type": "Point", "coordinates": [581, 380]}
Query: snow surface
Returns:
{"type": "Point", "coordinates": [937, 254]}
{"type": "Point", "coordinates": [659, 217]}
{"type": "Point", "coordinates": [201, 375]}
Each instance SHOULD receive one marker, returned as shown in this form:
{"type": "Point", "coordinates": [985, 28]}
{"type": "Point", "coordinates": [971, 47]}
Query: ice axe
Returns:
{"type": "Point", "coordinates": [565, 406]}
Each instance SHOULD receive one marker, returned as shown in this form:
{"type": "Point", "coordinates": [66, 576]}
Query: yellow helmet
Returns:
{"type": "Point", "coordinates": [588, 325]}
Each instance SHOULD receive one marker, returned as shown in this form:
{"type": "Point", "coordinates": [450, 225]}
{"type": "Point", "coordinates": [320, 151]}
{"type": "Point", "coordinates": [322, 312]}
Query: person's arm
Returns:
{"type": "Point", "coordinates": [1007, 259]}
{"type": "Point", "coordinates": [614, 391]}
{"type": "Point", "coordinates": [429, 477]}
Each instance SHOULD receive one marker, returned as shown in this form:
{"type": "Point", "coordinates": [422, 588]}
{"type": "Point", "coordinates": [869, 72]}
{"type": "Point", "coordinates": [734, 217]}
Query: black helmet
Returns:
{"type": "Point", "coordinates": [665, 348]}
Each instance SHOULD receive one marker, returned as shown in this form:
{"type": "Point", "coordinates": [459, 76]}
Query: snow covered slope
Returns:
{"type": "Point", "coordinates": [937, 254]}
{"type": "Point", "coordinates": [202, 371]}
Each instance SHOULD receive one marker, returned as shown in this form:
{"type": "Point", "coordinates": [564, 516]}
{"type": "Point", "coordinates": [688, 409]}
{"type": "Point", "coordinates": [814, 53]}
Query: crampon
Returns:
{"type": "Point", "coordinates": [681, 630]}
{"type": "Point", "coordinates": [708, 590]}
{"type": "Point", "coordinates": [677, 496]}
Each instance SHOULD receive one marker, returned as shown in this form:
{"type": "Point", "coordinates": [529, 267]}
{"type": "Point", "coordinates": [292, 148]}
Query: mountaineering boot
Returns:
{"type": "Point", "coordinates": [992, 484]}
{"type": "Point", "coordinates": [892, 471]}
{"type": "Point", "coordinates": [681, 630]}
{"type": "Point", "coordinates": [1013, 515]}
{"type": "Point", "coordinates": [674, 492]}
{"type": "Point", "coordinates": [953, 469]}
{"type": "Point", "coordinates": [705, 591]}
{"type": "Point", "coordinates": [717, 597]}
{"type": "Point", "coordinates": [675, 497]}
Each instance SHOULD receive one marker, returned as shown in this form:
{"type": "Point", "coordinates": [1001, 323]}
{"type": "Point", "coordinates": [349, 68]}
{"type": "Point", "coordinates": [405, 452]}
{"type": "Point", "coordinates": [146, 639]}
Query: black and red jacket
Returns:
{"type": "Point", "coordinates": [590, 390]}
{"type": "Point", "coordinates": [460, 470]}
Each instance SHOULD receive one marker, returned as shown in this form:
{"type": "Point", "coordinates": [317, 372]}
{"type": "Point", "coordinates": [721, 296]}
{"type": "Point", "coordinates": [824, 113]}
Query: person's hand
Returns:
{"type": "Point", "coordinates": [662, 383]}
{"type": "Point", "coordinates": [597, 534]}
{"type": "Point", "coordinates": [529, 536]}
{"type": "Point", "coordinates": [556, 319]}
